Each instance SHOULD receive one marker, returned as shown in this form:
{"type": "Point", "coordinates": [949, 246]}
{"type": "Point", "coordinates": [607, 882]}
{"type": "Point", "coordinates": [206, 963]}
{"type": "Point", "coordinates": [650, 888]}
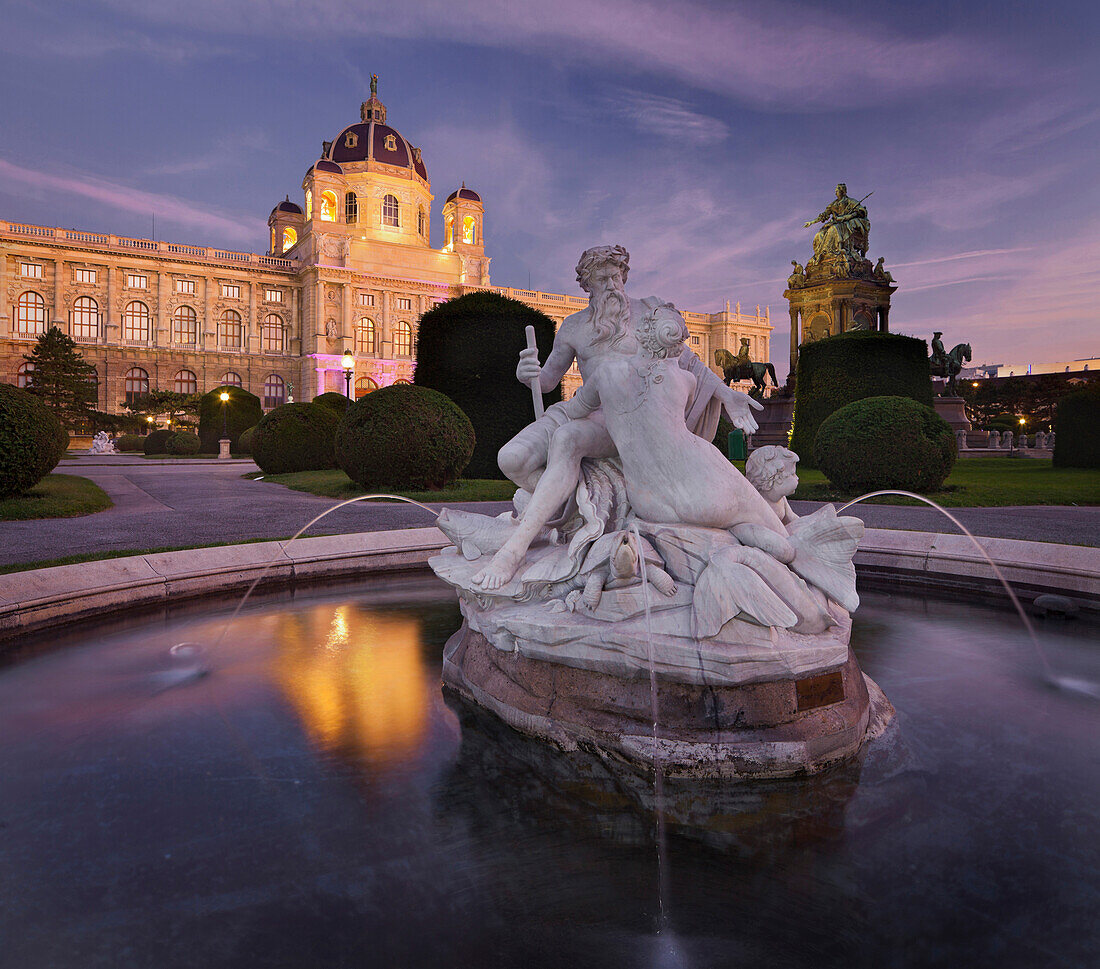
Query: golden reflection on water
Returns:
{"type": "Point", "coordinates": [357, 680]}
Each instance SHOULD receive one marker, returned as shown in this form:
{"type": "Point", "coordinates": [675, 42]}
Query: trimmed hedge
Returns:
{"type": "Point", "coordinates": [468, 348]}
{"type": "Point", "coordinates": [32, 440]}
{"type": "Point", "coordinates": [156, 442]}
{"type": "Point", "coordinates": [244, 442]}
{"type": "Point", "coordinates": [296, 437]}
{"type": "Point", "coordinates": [840, 369]}
{"type": "Point", "coordinates": [1077, 429]}
{"type": "Point", "coordinates": [130, 442]}
{"type": "Point", "coordinates": [886, 442]}
{"type": "Point", "coordinates": [404, 437]}
{"type": "Point", "coordinates": [182, 442]}
{"type": "Point", "coordinates": [338, 402]}
{"type": "Point", "coordinates": [242, 411]}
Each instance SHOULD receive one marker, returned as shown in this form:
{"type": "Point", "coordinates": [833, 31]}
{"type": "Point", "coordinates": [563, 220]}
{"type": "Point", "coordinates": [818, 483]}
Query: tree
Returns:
{"type": "Point", "coordinates": [467, 348]}
{"type": "Point", "coordinates": [61, 378]}
{"type": "Point", "coordinates": [182, 409]}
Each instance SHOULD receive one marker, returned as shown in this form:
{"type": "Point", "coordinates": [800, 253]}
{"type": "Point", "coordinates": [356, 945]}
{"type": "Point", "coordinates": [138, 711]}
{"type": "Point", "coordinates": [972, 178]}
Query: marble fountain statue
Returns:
{"type": "Point", "coordinates": [646, 600]}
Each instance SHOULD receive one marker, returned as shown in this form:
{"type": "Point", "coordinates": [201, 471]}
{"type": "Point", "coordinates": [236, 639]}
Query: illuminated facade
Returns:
{"type": "Point", "coordinates": [351, 267]}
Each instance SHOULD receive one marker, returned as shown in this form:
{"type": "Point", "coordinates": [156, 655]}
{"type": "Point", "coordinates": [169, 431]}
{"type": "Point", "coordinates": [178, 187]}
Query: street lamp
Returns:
{"type": "Point", "coordinates": [347, 361]}
{"type": "Point", "coordinates": [225, 400]}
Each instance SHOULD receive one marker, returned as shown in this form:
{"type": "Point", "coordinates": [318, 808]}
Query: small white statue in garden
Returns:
{"type": "Point", "coordinates": [102, 444]}
{"type": "Point", "coordinates": [994, 439]}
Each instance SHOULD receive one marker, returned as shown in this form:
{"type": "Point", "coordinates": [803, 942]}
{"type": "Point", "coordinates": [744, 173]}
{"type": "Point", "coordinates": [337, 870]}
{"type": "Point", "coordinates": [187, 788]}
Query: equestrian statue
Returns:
{"type": "Point", "coordinates": [742, 368]}
{"type": "Point", "coordinates": [948, 365]}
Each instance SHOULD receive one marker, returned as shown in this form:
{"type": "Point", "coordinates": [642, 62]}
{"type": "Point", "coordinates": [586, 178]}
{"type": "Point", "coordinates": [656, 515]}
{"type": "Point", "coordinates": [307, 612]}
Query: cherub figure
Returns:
{"type": "Point", "coordinates": [771, 471]}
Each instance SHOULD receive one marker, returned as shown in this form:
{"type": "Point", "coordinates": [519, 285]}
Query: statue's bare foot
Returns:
{"type": "Point", "coordinates": [499, 570]}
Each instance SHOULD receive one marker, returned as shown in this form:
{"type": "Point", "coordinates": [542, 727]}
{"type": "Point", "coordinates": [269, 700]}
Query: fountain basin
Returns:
{"type": "Point", "coordinates": [777, 727]}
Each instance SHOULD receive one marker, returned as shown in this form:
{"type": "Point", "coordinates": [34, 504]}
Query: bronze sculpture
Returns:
{"type": "Point", "coordinates": [741, 367]}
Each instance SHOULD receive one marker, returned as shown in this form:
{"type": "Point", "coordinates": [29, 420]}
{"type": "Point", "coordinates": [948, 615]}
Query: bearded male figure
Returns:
{"type": "Point", "coordinates": [555, 444]}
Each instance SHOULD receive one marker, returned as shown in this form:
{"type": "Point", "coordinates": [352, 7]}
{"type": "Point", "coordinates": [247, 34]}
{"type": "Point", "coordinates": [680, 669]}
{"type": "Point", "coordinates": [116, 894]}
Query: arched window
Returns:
{"type": "Point", "coordinates": [85, 318]}
{"type": "Point", "coordinates": [272, 332]}
{"type": "Point", "coordinates": [274, 251]}
{"type": "Point", "coordinates": [186, 383]}
{"type": "Point", "coordinates": [30, 315]}
{"type": "Point", "coordinates": [229, 330]}
{"type": "Point", "coordinates": [137, 384]}
{"type": "Point", "coordinates": [328, 206]}
{"type": "Point", "coordinates": [93, 388]}
{"type": "Point", "coordinates": [136, 322]}
{"type": "Point", "coordinates": [231, 379]}
{"type": "Point", "coordinates": [421, 222]}
{"type": "Point", "coordinates": [351, 208]}
{"type": "Point", "coordinates": [402, 340]}
{"type": "Point", "coordinates": [23, 375]}
{"type": "Point", "coordinates": [309, 203]}
{"type": "Point", "coordinates": [468, 230]}
{"type": "Point", "coordinates": [274, 391]}
{"type": "Point", "coordinates": [364, 336]}
{"type": "Point", "coordinates": [185, 326]}
{"type": "Point", "coordinates": [448, 232]}
{"type": "Point", "coordinates": [290, 238]}
{"type": "Point", "coordinates": [391, 212]}
{"type": "Point", "coordinates": [363, 386]}
{"type": "Point", "coordinates": [402, 380]}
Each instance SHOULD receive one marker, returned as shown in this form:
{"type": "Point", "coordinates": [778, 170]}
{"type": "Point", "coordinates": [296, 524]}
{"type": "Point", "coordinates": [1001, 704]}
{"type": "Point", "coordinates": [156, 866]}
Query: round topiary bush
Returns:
{"type": "Point", "coordinates": [244, 442]}
{"type": "Point", "coordinates": [32, 440]}
{"type": "Point", "coordinates": [840, 369]}
{"type": "Point", "coordinates": [338, 402]}
{"type": "Point", "coordinates": [182, 442]}
{"type": "Point", "coordinates": [130, 442]}
{"type": "Point", "coordinates": [468, 348]}
{"type": "Point", "coordinates": [242, 411]}
{"type": "Point", "coordinates": [885, 442]}
{"type": "Point", "coordinates": [404, 437]}
{"type": "Point", "coordinates": [1077, 429]}
{"type": "Point", "coordinates": [156, 442]}
{"type": "Point", "coordinates": [296, 437]}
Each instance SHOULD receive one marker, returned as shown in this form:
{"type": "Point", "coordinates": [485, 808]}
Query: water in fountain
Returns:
{"type": "Point", "coordinates": [1068, 683]}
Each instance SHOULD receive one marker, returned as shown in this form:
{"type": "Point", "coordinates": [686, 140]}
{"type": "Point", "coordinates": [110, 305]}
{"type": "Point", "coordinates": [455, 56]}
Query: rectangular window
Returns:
{"type": "Point", "coordinates": [366, 299]}
{"type": "Point", "coordinates": [273, 295]}
{"type": "Point", "coordinates": [230, 292]}
{"type": "Point", "coordinates": [403, 303]}
{"type": "Point", "coordinates": [30, 270]}
{"type": "Point", "coordinates": [695, 341]}
{"type": "Point", "coordinates": [134, 281]}
{"type": "Point", "coordinates": [84, 276]}
{"type": "Point", "coordinates": [185, 286]}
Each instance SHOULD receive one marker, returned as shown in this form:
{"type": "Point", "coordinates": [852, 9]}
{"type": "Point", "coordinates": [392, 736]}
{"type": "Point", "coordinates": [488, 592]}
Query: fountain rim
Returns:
{"type": "Point", "coordinates": [907, 561]}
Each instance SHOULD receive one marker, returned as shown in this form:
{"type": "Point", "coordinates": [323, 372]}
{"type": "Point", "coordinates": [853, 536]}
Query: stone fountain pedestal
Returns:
{"type": "Point", "coordinates": [750, 702]}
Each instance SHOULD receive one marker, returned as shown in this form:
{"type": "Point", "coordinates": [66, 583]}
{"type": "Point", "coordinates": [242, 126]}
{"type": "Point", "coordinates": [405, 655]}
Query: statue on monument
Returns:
{"type": "Point", "coordinates": [797, 278]}
{"type": "Point", "coordinates": [948, 365]}
{"type": "Point", "coordinates": [844, 235]}
{"type": "Point", "coordinates": [742, 367]}
{"type": "Point", "coordinates": [881, 273]}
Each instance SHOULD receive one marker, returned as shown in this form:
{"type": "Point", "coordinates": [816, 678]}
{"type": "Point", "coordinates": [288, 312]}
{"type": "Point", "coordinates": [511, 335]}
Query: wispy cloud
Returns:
{"type": "Point", "coordinates": [169, 208]}
{"type": "Point", "coordinates": [668, 118]}
{"type": "Point", "coordinates": [790, 55]}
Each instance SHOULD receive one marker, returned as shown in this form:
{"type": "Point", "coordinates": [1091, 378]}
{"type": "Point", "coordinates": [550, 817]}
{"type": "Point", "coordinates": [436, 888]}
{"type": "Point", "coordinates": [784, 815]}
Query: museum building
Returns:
{"type": "Point", "coordinates": [349, 268]}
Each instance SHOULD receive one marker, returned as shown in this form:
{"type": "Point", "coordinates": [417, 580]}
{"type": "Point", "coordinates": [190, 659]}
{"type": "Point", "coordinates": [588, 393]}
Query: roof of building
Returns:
{"type": "Point", "coordinates": [374, 140]}
{"type": "Point", "coordinates": [287, 206]}
{"type": "Point", "coordinates": [464, 193]}
{"type": "Point", "coordinates": [324, 165]}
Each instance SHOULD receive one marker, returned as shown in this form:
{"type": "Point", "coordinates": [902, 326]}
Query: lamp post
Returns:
{"type": "Point", "coordinates": [223, 444]}
{"type": "Point", "coordinates": [347, 361]}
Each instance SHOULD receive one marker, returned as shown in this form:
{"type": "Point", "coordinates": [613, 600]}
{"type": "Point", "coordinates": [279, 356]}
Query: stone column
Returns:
{"type": "Point", "coordinates": [252, 343]}
{"type": "Point", "coordinates": [207, 324]}
{"type": "Point", "coordinates": [347, 295]}
{"type": "Point", "coordinates": [160, 337]}
{"type": "Point", "coordinates": [885, 311]}
{"type": "Point", "coordinates": [385, 335]}
{"type": "Point", "coordinates": [794, 339]}
{"type": "Point", "coordinates": [109, 310]}
{"type": "Point", "coordinates": [59, 295]}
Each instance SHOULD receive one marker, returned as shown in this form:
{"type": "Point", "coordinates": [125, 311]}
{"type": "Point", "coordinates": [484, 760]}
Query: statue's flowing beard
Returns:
{"type": "Point", "coordinates": [609, 314]}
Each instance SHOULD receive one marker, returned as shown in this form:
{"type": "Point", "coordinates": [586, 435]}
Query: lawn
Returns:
{"type": "Point", "coordinates": [56, 496]}
{"type": "Point", "coordinates": [336, 484]}
{"type": "Point", "coordinates": [982, 483]}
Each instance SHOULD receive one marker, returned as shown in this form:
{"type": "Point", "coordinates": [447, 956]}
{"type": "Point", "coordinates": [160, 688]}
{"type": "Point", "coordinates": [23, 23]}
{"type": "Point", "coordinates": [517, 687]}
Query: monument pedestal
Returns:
{"type": "Point", "coordinates": [774, 422]}
{"type": "Point", "coordinates": [953, 410]}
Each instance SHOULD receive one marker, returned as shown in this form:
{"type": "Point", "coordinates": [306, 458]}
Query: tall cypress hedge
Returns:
{"type": "Point", "coordinates": [1077, 429]}
{"type": "Point", "coordinates": [468, 348]}
{"type": "Point", "coordinates": [851, 366]}
{"type": "Point", "coordinates": [242, 411]}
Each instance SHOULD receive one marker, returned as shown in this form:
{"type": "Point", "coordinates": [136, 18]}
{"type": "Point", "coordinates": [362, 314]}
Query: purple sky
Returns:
{"type": "Point", "coordinates": [699, 135]}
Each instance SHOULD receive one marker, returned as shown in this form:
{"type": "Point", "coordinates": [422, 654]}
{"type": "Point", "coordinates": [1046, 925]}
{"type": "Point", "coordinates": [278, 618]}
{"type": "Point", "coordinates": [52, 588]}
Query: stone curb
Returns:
{"type": "Point", "coordinates": [887, 558]}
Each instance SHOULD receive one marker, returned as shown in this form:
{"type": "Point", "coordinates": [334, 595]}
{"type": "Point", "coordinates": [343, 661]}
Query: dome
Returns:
{"type": "Point", "coordinates": [463, 193]}
{"type": "Point", "coordinates": [286, 206]}
{"type": "Point", "coordinates": [374, 140]}
{"type": "Point", "coordinates": [324, 165]}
